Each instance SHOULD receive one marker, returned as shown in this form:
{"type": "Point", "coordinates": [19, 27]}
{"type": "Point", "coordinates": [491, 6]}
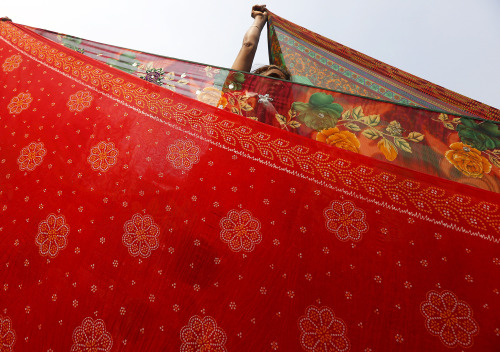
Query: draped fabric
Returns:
{"type": "Point", "coordinates": [418, 139]}
{"type": "Point", "coordinates": [429, 140]}
{"type": "Point", "coordinates": [323, 62]}
{"type": "Point", "coordinates": [154, 204]}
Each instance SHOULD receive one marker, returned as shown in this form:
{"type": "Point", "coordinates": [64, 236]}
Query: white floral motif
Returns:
{"type": "Point", "coordinates": [449, 318]}
{"type": "Point", "coordinates": [12, 62]}
{"type": "Point", "coordinates": [240, 230]}
{"type": "Point", "coordinates": [79, 101]}
{"type": "Point", "coordinates": [321, 331]}
{"type": "Point", "coordinates": [183, 154]}
{"type": "Point", "coordinates": [91, 336]}
{"type": "Point", "coordinates": [203, 334]}
{"type": "Point", "coordinates": [141, 235]}
{"type": "Point", "coordinates": [19, 103]}
{"type": "Point", "coordinates": [103, 156]}
{"type": "Point", "coordinates": [31, 156]}
{"type": "Point", "coordinates": [7, 335]}
{"type": "Point", "coordinates": [52, 236]}
{"type": "Point", "coordinates": [265, 98]}
{"type": "Point", "coordinates": [345, 220]}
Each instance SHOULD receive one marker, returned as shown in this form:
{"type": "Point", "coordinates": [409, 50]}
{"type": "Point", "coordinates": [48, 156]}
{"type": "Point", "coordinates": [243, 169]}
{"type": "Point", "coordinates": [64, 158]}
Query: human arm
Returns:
{"type": "Point", "coordinates": [248, 49]}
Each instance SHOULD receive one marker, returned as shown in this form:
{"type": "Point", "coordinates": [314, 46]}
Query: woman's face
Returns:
{"type": "Point", "coordinates": [275, 73]}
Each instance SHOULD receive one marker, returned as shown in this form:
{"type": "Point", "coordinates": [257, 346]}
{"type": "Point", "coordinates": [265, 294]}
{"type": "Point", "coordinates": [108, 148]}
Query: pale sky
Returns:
{"type": "Point", "coordinates": [453, 43]}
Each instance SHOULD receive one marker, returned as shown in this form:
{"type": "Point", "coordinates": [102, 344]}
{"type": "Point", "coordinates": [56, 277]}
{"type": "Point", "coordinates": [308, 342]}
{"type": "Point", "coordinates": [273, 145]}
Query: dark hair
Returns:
{"type": "Point", "coordinates": [265, 68]}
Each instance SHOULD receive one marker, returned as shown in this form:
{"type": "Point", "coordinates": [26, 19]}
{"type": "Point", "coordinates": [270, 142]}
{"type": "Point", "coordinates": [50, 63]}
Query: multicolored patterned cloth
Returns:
{"type": "Point", "coordinates": [139, 218]}
{"type": "Point", "coordinates": [418, 139]}
{"type": "Point", "coordinates": [322, 62]}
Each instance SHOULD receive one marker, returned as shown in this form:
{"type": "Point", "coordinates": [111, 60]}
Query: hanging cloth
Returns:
{"type": "Point", "coordinates": [137, 218]}
{"type": "Point", "coordinates": [322, 62]}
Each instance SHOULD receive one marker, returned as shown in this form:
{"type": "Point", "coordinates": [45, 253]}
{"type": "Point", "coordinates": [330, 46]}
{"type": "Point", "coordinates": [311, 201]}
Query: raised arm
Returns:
{"type": "Point", "coordinates": [246, 55]}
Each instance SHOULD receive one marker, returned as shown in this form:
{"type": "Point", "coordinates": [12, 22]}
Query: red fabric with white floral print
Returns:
{"type": "Point", "coordinates": [136, 219]}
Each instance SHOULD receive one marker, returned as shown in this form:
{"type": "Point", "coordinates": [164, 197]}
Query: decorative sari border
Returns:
{"type": "Point", "coordinates": [283, 151]}
{"type": "Point", "coordinates": [408, 95]}
{"type": "Point", "coordinates": [424, 86]}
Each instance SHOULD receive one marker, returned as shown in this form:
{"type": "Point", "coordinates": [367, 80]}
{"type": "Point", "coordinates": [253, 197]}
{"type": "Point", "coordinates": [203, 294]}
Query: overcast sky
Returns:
{"type": "Point", "coordinates": [453, 43]}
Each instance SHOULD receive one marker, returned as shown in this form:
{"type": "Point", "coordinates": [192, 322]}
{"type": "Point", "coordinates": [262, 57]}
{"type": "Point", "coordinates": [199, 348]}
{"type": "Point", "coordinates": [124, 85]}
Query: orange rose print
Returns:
{"type": "Point", "coordinates": [52, 236]}
{"type": "Point", "coordinates": [183, 154]}
{"type": "Point", "coordinates": [449, 318]}
{"type": "Point", "coordinates": [102, 156]}
{"type": "Point", "coordinates": [79, 101]}
{"type": "Point", "coordinates": [91, 336]}
{"type": "Point", "coordinates": [321, 331]}
{"type": "Point", "coordinates": [345, 220]}
{"type": "Point", "coordinates": [203, 334]}
{"type": "Point", "coordinates": [142, 235]}
{"type": "Point", "coordinates": [468, 160]}
{"type": "Point", "coordinates": [7, 335]}
{"type": "Point", "coordinates": [345, 139]}
{"type": "Point", "coordinates": [240, 230]}
{"type": "Point", "coordinates": [31, 156]}
{"type": "Point", "coordinates": [19, 103]}
{"type": "Point", "coordinates": [11, 63]}
{"type": "Point", "coordinates": [212, 96]}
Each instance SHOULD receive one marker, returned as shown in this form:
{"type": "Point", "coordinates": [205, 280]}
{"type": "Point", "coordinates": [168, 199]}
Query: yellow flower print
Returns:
{"type": "Point", "coordinates": [345, 139]}
{"type": "Point", "coordinates": [468, 160]}
{"type": "Point", "coordinates": [388, 149]}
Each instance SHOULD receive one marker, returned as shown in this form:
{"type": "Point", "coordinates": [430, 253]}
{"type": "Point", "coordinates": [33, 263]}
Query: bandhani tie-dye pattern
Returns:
{"type": "Point", "coordinates": [142, 208]}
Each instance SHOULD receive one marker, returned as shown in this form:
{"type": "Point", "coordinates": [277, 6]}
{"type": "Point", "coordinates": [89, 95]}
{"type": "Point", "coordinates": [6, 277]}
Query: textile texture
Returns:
{"type": "Point", "coordinates": [139, 218]}
{"type": "Point", "coordinates": [419, 139]}
{"type": "Point", "coordinates": [326, 63]}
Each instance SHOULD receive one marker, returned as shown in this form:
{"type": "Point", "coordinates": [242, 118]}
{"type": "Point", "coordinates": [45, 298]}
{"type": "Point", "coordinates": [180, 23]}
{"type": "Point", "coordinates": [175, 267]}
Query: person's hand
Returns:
{"type": "Point", "coordinates": [259, 10]}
